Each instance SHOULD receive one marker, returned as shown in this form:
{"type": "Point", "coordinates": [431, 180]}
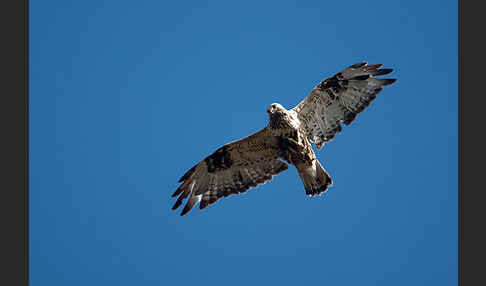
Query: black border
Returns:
{"type": "Point", "coordinates": [459, 142]}
{"type": "Point", "coordinates": [14, 123]}
{"type": "Point", "coordinates": [471, 159]}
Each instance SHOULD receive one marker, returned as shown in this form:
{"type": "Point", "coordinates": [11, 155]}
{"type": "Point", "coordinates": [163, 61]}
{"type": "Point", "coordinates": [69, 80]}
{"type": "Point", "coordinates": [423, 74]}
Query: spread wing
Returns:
{"type": "Point", "coordinates": [339, 99]}
{"type": "Point", "coordinates": [232, 169]}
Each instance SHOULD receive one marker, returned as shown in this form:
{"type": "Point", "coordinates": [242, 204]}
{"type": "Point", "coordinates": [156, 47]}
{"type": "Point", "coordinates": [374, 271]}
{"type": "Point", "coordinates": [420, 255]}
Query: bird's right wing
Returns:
{"type": "Point", "coordinates": [339, 99]}
{"type": "Point", "coordinates": [232, 169]}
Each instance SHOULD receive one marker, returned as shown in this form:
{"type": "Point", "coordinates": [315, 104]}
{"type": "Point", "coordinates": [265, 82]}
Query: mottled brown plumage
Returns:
{"type": "Point", "coordinates": [246, 163]}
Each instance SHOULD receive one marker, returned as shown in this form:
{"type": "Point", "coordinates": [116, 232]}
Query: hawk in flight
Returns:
{"type": "Point", "coordinates": [248, 162]}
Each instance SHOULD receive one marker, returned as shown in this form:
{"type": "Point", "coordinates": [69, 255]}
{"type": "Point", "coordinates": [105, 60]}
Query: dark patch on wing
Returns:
{"type": "Point", "coordinates": [219, 160]}
{"type": "Point", "coordinates": [334, 85]}
{"type": "Point", "coordinates": [330, 82]}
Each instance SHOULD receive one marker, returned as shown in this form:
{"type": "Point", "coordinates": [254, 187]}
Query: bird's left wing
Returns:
{"type": "Point", "coordinates": [232, 169]}
{"type": "Point", "coordinates": [339, 99]}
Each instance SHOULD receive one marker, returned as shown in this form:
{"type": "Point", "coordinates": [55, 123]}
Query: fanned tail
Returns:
{"type": "Point", "coordinates": [316, 180]}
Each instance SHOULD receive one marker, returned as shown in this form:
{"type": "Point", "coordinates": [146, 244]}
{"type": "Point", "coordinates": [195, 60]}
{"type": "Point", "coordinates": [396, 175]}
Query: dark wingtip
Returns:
{"type": "Point", "coordinates": [361, 77]}
{"type": "Point", "coordinates": [358, 65]}
{"type": "Point", "coordinates": [183, 178]}
{"type": "Point", "coordinates": [186, 210]}
{"type": "Point", "coordinates": [378, 90]}
{"type": "Point", "coordinates": [177, 203]}
{"type": "Point", "coordinates": [382, 72]}
{"type": "Point", "coordinates": [388, 81]}
{"type": "Point", "coordinates": [203, 204]}
{"type": "Point", "coordinates": [177, 192]}
{"type": "Point", "coordinates": [190, 204]}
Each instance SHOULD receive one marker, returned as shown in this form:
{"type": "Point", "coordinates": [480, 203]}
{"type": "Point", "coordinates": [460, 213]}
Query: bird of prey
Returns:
{"type": "Point", "coordinates": [248, 162]}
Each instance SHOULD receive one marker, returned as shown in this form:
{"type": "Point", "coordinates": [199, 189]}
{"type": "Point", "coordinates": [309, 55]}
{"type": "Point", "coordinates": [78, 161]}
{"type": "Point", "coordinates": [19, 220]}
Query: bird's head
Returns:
{"type": "Point", "coordinates": [275, 108]}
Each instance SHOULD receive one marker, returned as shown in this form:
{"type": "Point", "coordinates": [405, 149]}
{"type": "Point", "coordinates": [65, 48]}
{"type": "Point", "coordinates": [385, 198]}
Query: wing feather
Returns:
{"type": "Point", "coordinates": [232, 169]}
{"type": "Point", "coordinates": [339, 99]}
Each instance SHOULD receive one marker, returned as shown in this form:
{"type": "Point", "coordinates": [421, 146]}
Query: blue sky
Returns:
{"type": "Point", "coordinates": [128, 95]}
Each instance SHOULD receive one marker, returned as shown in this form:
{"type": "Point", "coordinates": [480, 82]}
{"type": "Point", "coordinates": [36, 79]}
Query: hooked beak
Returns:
{"type": "Point", "coordinates": [271, 109]}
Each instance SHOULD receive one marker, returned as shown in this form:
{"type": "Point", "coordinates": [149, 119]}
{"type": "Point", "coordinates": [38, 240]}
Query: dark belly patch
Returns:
{"type": "Point", "coordinates": [292, 151]}
{"type": "Point", "coordinates": [287, 144]}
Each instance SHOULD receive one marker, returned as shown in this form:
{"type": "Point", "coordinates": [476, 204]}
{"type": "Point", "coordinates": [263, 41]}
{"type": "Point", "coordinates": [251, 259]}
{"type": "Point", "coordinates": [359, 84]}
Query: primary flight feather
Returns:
{"type": "Point", "coordinates": [248, 162]}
